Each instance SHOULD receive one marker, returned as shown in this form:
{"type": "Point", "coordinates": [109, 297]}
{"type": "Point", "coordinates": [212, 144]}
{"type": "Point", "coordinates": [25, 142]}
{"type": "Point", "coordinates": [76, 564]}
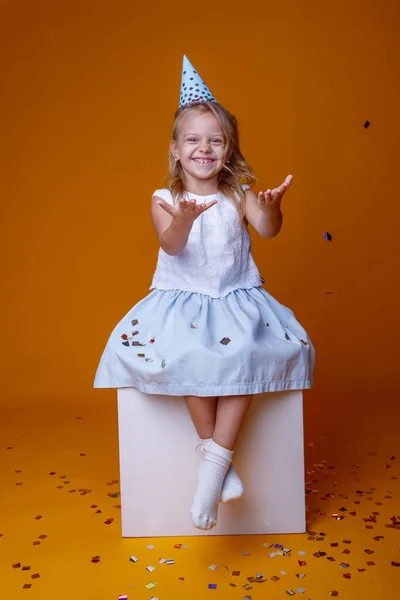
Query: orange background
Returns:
{"type": "Point", "coordinates": [88, 94]}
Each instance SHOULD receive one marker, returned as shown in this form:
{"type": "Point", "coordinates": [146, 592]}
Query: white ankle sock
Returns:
{"type": "Point", "coordinates": [232, 488]}
{"type": "Point", "coordinates": [210, 477]}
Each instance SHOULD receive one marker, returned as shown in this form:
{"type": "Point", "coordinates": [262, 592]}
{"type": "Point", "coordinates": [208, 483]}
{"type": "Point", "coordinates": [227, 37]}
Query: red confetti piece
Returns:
{"type": "Point", "coordinates": [35, 576]}
{"type": "Point", "coordinates": [395, 564]}
{"type": "Point", "coordinates": [16, 566]}
{"type": "Point", "coordinates": [347, 575]}
{"type": "Point", "coordinates": [26, 586]}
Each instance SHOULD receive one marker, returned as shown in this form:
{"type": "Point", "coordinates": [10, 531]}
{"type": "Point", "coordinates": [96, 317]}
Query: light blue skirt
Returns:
{"type": "Point", "coordinates": [181, 343]}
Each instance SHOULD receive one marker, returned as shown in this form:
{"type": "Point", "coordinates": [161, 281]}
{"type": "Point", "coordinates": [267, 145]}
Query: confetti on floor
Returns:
{"type": "Point", "coordinates": [353, 522]}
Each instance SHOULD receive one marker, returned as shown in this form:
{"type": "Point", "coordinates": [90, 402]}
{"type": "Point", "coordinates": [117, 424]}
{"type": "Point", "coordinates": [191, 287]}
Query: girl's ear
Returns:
{"type": "Point", "coordinates": [172, 148]}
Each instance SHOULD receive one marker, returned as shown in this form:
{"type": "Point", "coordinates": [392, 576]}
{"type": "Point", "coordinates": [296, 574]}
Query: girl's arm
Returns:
{"type": "Point", "coordinates": [263, 212]}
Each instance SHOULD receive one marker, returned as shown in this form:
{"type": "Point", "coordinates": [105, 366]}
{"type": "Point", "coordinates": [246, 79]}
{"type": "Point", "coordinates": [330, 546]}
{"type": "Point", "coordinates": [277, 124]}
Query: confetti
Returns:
{"type": "Point", "coordinates": [123, 597]}
{"type": "Point", "coordinates": [151, 585]}
{"type": "Point", "coordinates": [327, 236]}
{"type": "Point", "coordinates": [225, 341]}
{"type": "Point", "coordinates": [213, 567]}
{"type": "Point", "coordinates": [35, 576]}
{"type": "Point", "coordinates": [135, 322]}
{"type": "Point", "coordinates": [212, 586]}
{"type": "Point", "coordinates": [235, 573]}
{"type": "Point", "coordinates": [367, 124]}
{"type": "Point", "coordinates": [133, 559]}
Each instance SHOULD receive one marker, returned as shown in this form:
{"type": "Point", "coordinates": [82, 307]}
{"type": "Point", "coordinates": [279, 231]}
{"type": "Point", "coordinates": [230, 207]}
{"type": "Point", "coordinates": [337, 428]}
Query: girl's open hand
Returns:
{"type": "Point", "coordinates": [185, 211]}
{"type": "Point", "coordinates": [272, 198]}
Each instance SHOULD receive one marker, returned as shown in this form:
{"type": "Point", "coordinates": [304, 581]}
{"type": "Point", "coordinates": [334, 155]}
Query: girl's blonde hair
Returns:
{"type": "Point", "coordinates": [234, 174]}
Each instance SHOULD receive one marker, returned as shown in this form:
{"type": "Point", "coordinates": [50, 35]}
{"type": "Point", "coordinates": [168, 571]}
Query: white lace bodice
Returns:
{"type": "Point", "coordinates": [217, 258]}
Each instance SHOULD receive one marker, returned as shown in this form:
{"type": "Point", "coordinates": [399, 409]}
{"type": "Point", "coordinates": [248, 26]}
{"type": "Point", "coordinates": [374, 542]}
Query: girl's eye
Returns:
{"type": "Point", "coordinates": [217, 141]}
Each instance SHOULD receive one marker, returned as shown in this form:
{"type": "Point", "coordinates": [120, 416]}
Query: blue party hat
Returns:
{"type": "Point", "coordinates": [193, 88]}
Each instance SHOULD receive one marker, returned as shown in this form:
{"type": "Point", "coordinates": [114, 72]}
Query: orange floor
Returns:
{"type": "Point", "coordinates": [60, 513]}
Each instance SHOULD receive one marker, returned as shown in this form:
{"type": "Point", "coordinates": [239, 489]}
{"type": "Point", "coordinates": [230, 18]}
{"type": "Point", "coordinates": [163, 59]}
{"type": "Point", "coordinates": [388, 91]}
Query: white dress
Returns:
{"type": "Point", "coordinates": [208, 328]}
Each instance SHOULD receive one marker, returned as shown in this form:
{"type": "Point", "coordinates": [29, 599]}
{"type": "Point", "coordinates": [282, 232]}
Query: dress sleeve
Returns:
{"type": "Point", "coordinates": [165, 195]}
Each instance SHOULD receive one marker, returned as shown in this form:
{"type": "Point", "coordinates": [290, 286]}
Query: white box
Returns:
{"type": "Point", "coordinates": [158, 465]}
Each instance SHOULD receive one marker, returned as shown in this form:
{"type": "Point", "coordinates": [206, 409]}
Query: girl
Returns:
{"type": "Point", "coordinates": [208, 331]}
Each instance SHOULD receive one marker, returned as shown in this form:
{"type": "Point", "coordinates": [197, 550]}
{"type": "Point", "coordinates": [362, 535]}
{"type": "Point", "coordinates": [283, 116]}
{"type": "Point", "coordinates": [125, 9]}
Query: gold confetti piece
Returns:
{"type": "Point", "coordinates": [42, 537]}
{"type": "Point", "coordinates": [247, 587]}
{"type": "Point", "coordinates": [233, 585]}
{"type": "Point", "coordinates": [35, 576]}
{"type": "Point", "coordinates": [36, 543]}
{"type": "Point", "coordinates": [26, 586]}
{"type": "Point", "coordinates": [150, 568]}
{"type": "Point", "coordinates": [133, 559]}
{"type": "Point", "coordinates": [151, 585]}
{"type": "Point", "coordinates": [38, 517]}
{"type": "Point", "coordinates": [290, 592]}
{"type": "Point", "coordinates": [16, 566]}
{"type": "Point", "coordinates": [141, 355]}
{"type": "Point", "coordinates": [267, 545]}
{"type": "Point", "coordinates": [26, 568]}
{"type": "Point", "coordinates": [274, 578]}
{"type": "Point", "coordinates": [235, 573]}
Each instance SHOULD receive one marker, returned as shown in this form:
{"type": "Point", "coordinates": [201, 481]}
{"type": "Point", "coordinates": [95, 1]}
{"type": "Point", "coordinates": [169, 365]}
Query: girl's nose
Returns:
{"type": "Point", "coordinates": [205, 146]}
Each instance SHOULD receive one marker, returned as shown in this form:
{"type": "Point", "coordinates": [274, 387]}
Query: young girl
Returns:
{"type": "Point", "coordinates": [208, 331]}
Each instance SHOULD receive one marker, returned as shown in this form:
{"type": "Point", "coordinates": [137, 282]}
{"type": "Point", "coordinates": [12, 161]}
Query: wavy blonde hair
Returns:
{"type": "Point", "coordinates": [233, 175]}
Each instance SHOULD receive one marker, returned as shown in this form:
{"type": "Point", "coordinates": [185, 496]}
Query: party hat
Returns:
{"type": "Point", "coordinates": [193, 88]}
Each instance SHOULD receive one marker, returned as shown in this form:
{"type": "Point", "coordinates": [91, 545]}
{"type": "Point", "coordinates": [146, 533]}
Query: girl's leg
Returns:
{"type": "Point", "coordinates": [218, 458]}
{"type": "Point", "coordinates": [203, 412]}
{"type": "Point", "coordinates": [231, 413]}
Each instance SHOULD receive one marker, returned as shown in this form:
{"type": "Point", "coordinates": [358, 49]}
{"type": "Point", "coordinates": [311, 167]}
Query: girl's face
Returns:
{"type": "Point", "coordinates": [200, 147]}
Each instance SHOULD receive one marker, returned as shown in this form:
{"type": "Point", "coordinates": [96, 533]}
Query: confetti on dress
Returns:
{"type": "Point", "coordinates": [225, 341]}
